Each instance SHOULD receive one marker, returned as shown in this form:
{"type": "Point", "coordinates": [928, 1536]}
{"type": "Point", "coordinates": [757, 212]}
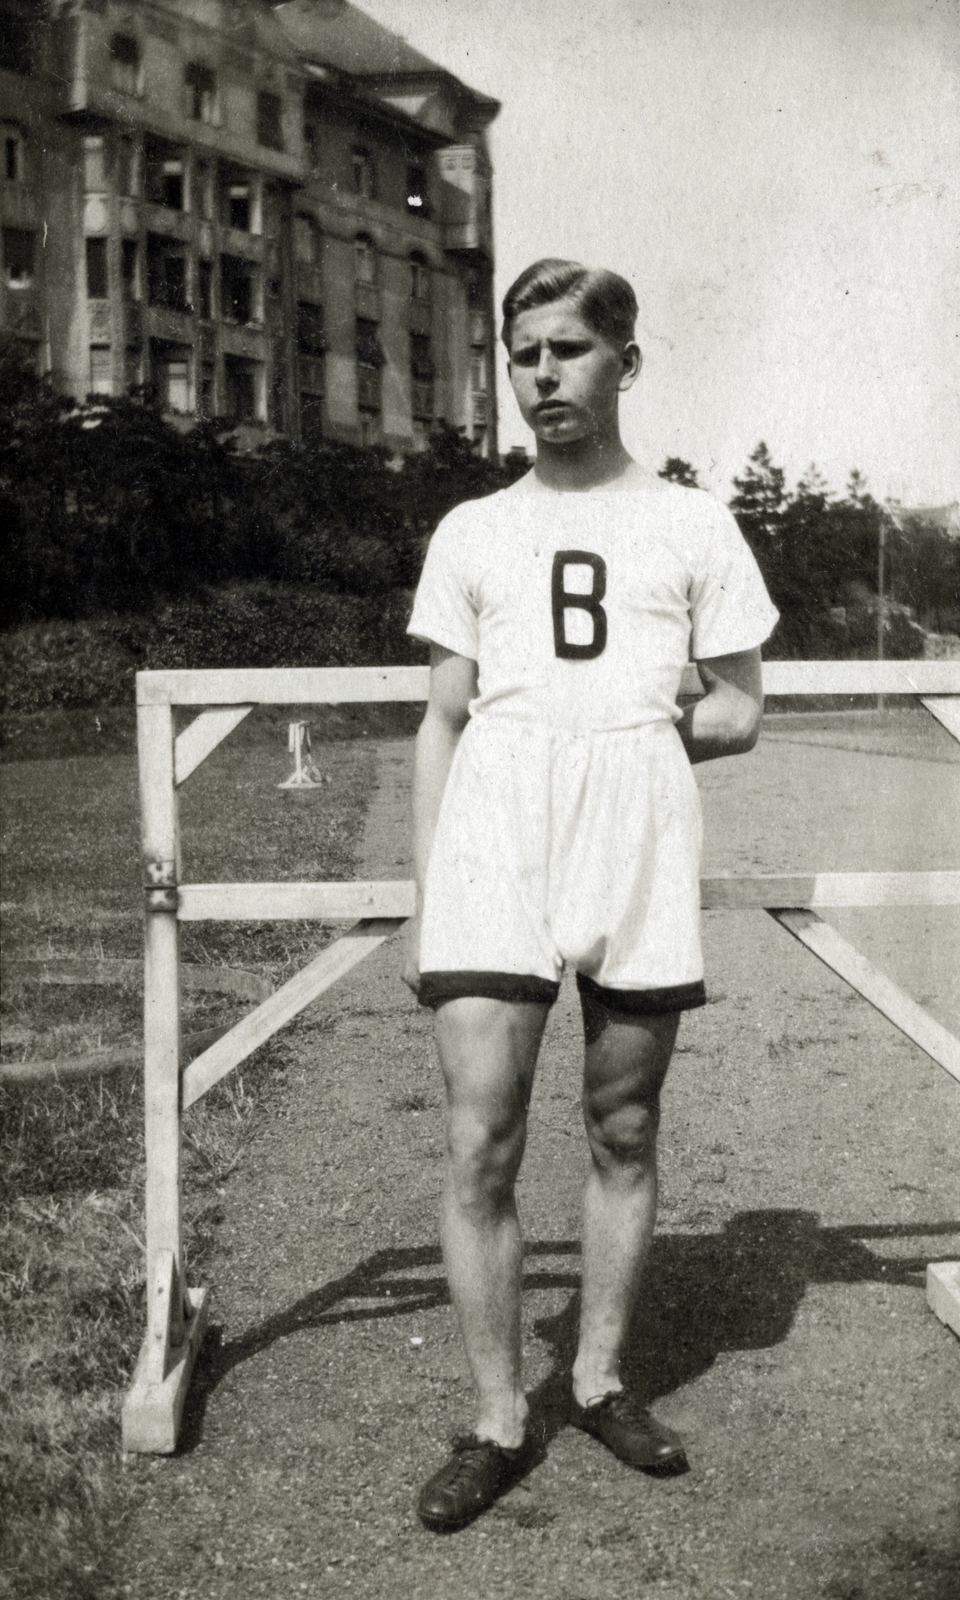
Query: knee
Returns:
{"type": "Point", "coordinates": [623, 1136]}
{"type": "Point", "coordinates": [483, 1158]}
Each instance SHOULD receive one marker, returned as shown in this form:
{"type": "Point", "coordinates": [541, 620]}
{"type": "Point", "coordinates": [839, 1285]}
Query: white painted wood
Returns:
{"type": "Point", "coordinates": [943, 1292]}
{"type": "Point", "coordinates": [282, 685]}
{"type": "Point", "coordinates": [257, 1026]}
{"type": "Point", "coordinates": [946, 709]}
{"type": "Point", "coordinates": [843, 959]}
{"type": "Point", "coordinates": [203, 735]}
{"type": "Point", "coordinates": [831, 889]}
{"type": "Point", "coordinates": [161, 1052]}
{"type": "Point", "coordinates": [861, 677]}
{"type": "Point", "coordinates": [280, 902]}
{"type": "Point", "coordinates": [341, 685]}
{"type": "Point", "coordinates": [158, 797]}
{"type": "Point", "coordinates": [277, 902]}
{"type": "Point", "coordinates": [152, 1411]}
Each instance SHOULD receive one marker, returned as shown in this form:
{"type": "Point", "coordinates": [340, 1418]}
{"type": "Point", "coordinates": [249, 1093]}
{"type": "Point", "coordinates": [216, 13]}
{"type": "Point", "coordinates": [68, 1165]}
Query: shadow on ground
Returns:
{"type": "Point", "coordinates": [738, 1289]}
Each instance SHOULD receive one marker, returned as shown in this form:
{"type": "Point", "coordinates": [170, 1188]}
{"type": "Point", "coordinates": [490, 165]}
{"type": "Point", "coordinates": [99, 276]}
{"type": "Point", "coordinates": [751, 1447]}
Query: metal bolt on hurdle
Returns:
{"type": "Point", "coordinates": [177, 1313]}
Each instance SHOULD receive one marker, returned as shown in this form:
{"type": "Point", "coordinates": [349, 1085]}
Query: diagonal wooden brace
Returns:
{"type": "Point", "coordinates": [258, 1025]}
{"type": "Point", "coordinates": [847, 962]}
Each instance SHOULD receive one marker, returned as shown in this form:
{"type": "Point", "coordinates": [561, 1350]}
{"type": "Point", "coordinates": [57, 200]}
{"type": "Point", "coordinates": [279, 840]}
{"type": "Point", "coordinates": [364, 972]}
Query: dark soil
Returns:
{"type": "Point", "coordinates": [809, 1172]}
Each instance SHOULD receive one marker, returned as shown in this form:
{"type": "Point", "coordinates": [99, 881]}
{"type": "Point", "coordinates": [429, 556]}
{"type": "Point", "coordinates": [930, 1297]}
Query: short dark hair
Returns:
{"type": "Point", "coordinates": [604, 299]}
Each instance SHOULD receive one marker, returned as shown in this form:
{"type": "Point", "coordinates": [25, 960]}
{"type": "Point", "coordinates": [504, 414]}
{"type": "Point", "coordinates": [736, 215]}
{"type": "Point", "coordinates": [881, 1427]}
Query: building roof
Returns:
{"type": "Point", "coordinates": [336, 34]}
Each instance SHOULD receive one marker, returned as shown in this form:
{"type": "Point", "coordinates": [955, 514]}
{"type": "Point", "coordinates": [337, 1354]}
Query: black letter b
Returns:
{"type": "Point", "coordinates": [562, 600]}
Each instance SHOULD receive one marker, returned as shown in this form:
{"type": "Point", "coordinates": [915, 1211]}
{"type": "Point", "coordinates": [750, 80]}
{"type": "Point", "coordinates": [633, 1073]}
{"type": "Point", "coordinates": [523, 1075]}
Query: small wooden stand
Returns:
{"type": "Point", "coordinates": [176, 1314]}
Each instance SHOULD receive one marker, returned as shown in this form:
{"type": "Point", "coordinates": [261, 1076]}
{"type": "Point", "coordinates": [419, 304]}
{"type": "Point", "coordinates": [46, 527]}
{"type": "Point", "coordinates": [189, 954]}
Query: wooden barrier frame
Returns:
{"type": "Point", "coordinates": [176, 1314]}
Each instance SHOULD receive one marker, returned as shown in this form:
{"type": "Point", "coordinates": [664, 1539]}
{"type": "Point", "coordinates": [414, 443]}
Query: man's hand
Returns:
{"type": "Point", "coordinates": [726, 722]}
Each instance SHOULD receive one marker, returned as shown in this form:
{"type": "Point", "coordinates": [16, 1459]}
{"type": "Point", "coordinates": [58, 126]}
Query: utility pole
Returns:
{"type": "Point", "coordinates": [881, 564]}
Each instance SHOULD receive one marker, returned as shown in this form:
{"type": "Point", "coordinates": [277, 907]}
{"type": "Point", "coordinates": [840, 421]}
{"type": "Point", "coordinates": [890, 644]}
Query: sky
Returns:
{"type": "Point", "coordinates": [781, 184]}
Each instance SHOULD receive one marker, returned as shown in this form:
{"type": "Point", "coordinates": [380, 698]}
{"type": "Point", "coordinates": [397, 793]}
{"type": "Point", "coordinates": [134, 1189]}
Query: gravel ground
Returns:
{"type": "Point", "coordinates": [809, 1172]}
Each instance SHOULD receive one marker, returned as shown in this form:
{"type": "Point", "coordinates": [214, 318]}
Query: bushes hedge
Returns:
{"type": "Point", "coordinates": [242, 625]}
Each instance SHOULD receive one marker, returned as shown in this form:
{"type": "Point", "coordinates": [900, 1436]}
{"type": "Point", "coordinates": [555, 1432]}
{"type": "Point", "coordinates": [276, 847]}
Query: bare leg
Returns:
{"type": "Point", "coordinates": [626, 1060]}
{"type": "Point", "coordinates": [488, 1052]}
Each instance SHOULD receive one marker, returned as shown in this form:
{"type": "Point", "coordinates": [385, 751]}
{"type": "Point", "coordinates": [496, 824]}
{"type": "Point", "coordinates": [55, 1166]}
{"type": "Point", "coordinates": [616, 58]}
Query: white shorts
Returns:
{"type": "Point", "coordinates": [557, 849]}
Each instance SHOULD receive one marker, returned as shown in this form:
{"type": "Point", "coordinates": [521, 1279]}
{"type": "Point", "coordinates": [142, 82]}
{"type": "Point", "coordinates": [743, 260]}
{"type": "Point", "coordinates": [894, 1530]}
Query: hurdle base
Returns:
{"type": "Point", "coordinates": [943, 1292]}
{"type": "Point", "coordinates": [152, 1411]}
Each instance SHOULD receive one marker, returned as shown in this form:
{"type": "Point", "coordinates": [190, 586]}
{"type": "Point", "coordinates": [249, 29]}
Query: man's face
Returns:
{"type": "Point", "coordinates": [567, 377]}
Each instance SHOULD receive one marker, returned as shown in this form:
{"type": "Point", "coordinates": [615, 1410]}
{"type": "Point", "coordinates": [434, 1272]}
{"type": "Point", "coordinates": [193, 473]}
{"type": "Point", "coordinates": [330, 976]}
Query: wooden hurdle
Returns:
{"type": "Point", "coordinates": [177, 1313]}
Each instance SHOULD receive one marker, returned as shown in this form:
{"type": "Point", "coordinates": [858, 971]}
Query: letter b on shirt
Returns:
{"type": "Point", "coordinates": [565, 600]}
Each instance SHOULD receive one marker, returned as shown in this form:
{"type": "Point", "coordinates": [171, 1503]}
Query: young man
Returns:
{"type": "Point", "coordinates": [557, 823]}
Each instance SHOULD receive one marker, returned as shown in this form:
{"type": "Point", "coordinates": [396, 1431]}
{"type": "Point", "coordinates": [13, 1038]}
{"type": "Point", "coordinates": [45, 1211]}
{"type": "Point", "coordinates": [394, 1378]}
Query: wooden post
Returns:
{"type": "Point", "coordinates": [151, 1413]}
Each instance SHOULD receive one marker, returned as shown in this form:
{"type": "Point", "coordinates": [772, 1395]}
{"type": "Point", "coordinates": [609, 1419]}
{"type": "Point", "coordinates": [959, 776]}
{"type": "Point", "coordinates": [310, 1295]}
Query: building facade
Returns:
{"type": "Point", "coordinates": [278, 214]}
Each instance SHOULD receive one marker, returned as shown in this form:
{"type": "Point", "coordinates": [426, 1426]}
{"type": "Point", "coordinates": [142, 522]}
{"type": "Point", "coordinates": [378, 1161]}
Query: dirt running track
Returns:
{"type": "Point", "coordinates": [811, 1166]}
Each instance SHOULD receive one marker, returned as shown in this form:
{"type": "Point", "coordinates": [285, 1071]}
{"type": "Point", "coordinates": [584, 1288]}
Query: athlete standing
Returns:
{"type": "Point", "coordinates": [557, 823]}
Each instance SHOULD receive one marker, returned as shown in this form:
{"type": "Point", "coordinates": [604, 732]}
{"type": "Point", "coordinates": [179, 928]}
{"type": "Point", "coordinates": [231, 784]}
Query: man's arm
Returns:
{"type": "Point", "coordinates": [453, 684]}
{"type": "Point", "coordinates": [726, 722]}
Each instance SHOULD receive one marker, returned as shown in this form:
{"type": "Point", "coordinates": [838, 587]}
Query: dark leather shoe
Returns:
{"type": "Point", "coordinates": [477, 1472]}
{"type": "Point", "coordinates": [621, 1423]}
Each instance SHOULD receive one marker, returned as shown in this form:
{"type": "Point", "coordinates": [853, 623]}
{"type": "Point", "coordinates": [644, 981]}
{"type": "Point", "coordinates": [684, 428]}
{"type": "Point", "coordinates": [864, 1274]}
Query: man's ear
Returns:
{"type": "Point", "coordinates": [631, 361]}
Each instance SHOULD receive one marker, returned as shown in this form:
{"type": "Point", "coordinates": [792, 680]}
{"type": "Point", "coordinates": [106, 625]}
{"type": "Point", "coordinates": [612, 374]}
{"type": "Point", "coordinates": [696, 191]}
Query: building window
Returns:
{"type": "Point", "coordinates": [127, 166]}
{"type": "Point", "coordinates": [166, 273]}
{"type": "Point", "coordinates": [418, 203]}
{"type": "Point", "coordinates": [365, 259]}
{"type": "Point", "coordinates": [364, 173]}
{"type": "Point", "coordinates": [202, 191]}
{"type": "Point", "coordinates": [311, 340]}
{"type": "Point", "coordinates": [101, 375]}
{"type": "Point", "coordinates": [370, 360]}
{"type": "Point", "coordinates": [94, 165]}
{"type": "Point", "coordinates": [419, 277]}
{"type": "Point", "coordinates": [269, 120]}
{"type": "Point", "coordinates": [205, 289]}
{"type": "Point", "coordinates": [237, 289]}
{"type": "Point", "coordinates": [311, 144]}
{"type": "Point", "coordinates": [200, 92]}
{"type": "Point", "coordinates": [129, 265]}
{"type": "Point", "coordinates": [306, 240]}
{"type": "Point", "coordinates": [125, 63]}
{"type": "Point", "coordinates": [18, 257]}
{"type": "Point", "coordinates": [97, 279]}
{"type": "Point", "coordinates": [240, 388]}
{"type": "Point", "coordinates": [421, 375]}
{"type": "Point", "coordinates": [165, 176]}
{"type": "Point", "coordinates": [13, 156]}
{"type": "Point", "coordinates": [238, 206]}
{"type": "Point", "coordinates": [171, 374]}
{"type": "Point", "coordinates": [19, 21]}
{"type": "Point", "coordinates": [478, 369]}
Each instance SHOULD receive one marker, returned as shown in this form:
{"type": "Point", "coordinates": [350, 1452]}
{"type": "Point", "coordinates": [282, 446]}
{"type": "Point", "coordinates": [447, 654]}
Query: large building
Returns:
{"type": "Point", "coordinates": [274, 213]}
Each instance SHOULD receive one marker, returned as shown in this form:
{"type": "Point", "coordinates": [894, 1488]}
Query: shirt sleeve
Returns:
{"type": "Point", "coordinates": [444, 611]}
{"type": "Point", "coordinates": [730, 608]}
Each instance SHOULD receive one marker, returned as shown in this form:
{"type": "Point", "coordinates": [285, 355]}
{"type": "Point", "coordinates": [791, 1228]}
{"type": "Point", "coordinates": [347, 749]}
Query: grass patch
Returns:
{"type": "Point", "coordinates": [71, 1154]}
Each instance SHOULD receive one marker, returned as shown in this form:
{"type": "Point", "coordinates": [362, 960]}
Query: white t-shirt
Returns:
{"type": "Point", "coordinates": [582, 608]}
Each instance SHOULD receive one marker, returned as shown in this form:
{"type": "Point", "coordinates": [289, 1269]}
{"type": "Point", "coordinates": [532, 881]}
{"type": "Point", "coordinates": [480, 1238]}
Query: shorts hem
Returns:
{"type": "Point", "coordinates": [436, 987]}
{"type": "Point", "coordinates": [644, 1002]}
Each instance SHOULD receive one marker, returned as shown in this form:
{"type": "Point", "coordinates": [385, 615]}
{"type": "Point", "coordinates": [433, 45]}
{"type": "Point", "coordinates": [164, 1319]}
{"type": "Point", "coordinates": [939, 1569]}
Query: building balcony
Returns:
{"type": "Point", "coordinates": [175, 326]}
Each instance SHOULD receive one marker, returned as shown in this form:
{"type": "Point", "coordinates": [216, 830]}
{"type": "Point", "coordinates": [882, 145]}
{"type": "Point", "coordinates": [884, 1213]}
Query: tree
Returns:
{"type": "Point", "coordinates": [676, 470]}
{"type": "Point", "coordinates": [760, 498]}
